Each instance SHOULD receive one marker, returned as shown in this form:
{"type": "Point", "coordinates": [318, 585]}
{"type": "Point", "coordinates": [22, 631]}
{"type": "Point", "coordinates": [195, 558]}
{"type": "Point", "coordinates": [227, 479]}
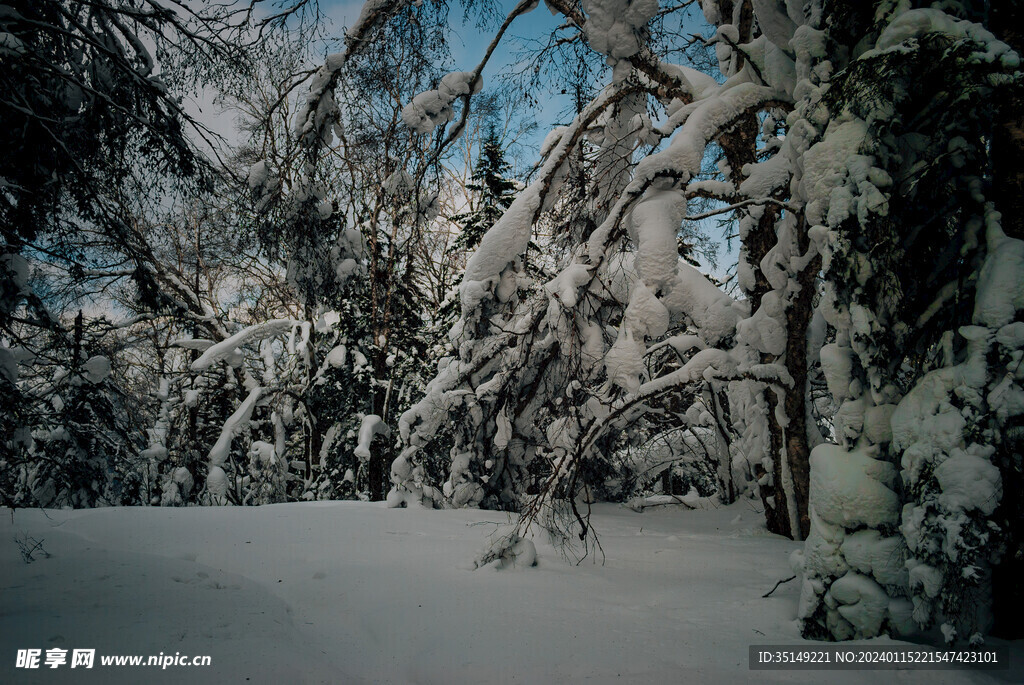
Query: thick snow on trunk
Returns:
{"type": "Point", "coordinates": [937, 430]}
{"type": "Point", "coordinates": [950, 429]}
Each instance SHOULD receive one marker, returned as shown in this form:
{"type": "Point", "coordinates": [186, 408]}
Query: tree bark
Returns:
{"type": "Point", "coordinates": [776, 510]}
{"type": "Point", "coordinates": [798, 450]}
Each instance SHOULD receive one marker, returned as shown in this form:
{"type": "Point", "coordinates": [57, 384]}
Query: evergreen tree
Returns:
{"type": "Point", "coordinates": [493, 190]}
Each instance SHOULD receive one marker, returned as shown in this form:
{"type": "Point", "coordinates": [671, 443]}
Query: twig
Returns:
{"type": "Point", "coordinates": [29, 547]}
{"type": "Point", "coordinates": [777, 586]}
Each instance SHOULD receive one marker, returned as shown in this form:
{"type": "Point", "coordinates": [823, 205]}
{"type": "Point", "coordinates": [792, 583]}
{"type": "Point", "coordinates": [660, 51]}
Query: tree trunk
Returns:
{"type": "Point", "coordinates": [798, 450]}
{"type": "Point", "coordinates": [776, 509]}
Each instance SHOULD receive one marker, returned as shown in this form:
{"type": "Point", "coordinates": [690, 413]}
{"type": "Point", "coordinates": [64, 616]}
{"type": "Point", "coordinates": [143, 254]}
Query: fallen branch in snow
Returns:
{"type": "Point", "coordinates": [486, 523]}
{"type": "Point", "coordinates": [639, 504]}
{"type": "Point", "coordinates": [767, 594]}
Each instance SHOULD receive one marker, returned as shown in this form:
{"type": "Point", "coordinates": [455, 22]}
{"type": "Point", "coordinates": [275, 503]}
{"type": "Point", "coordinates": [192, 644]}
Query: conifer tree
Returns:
{"type": "Point", "coordinates": [493, 190]}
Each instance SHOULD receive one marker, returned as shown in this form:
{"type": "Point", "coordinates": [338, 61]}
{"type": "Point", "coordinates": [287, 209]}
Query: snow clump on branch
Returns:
{"type": "Point", "coordinates": [433, 108]}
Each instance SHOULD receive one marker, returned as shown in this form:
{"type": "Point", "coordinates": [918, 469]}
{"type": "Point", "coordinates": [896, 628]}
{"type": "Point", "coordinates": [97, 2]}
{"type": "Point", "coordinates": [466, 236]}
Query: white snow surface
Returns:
{"type": "Point", "coordinates": [353, 592]}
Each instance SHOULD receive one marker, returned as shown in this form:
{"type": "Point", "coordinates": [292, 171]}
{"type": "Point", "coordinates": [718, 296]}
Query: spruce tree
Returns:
{"type": "Point", "coordinates": [495, 192]}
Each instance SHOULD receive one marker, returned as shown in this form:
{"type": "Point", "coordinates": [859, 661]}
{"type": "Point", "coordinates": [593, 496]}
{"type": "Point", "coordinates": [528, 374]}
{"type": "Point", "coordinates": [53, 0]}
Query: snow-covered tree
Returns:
{"type": "Point", "coordinates": [339, 171]}
{"type": "Point", "coordinates": [98, 145]}
{"type": "Point", "coordinates": [837, 130]}
{"type": "Point", "coordinates": [861, 376]}
{"type": "Point", "coordinates": [528, 384]}
{"type": "Point", "coordinates": [493, 193]}
{"type": "Point", "coordinates": [903, 505]}
{"type": "Point", "coordinates": [76, 445]}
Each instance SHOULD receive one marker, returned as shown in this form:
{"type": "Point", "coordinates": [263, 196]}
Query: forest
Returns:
{"type": "Point", "coordinates": [763, 258]}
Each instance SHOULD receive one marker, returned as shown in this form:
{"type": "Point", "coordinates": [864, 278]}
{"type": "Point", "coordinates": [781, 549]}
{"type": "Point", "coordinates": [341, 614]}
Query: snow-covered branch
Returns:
{"type": "Point", "coordinates": [227, 348]}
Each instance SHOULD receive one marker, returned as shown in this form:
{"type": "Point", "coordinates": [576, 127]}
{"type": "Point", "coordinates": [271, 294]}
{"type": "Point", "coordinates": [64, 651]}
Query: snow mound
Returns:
{"type": "Point", "coordinates": [851, 489]}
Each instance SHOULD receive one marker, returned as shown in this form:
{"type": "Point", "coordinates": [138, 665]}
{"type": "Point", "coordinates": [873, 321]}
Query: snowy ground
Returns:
{"type": "Point", "coordinates": [347, 592]}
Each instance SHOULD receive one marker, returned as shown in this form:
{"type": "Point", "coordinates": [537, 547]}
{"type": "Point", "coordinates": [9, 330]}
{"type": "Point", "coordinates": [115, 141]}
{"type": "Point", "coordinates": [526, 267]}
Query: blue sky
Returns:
{"type": "Point", "coordinates": [468, 46]}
